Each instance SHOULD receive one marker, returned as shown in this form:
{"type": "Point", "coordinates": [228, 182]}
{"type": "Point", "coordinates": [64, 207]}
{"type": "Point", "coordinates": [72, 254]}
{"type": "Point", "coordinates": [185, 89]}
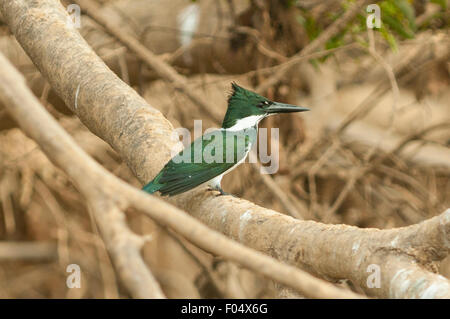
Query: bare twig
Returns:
{"type": "Point", "coordinates": [331, 31]}
{"type": "Point", "coordinates": [260, 43]}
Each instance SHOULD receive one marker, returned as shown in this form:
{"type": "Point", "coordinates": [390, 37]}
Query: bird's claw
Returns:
{"type": "Point", "coordinates": [221, 192]}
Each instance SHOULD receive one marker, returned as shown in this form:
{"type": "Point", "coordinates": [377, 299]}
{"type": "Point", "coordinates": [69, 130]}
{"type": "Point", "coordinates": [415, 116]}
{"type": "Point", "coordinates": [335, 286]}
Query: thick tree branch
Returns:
{"type": "Point", "coordinates": [139, 133]}
{"type": "Point", "coordinates": [108, 197]}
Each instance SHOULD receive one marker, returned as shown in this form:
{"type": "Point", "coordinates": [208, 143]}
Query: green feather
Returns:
{"type": "Point", "coordinates": [203, 160]}
{"type": "Point", "coordinates": [153, 186]}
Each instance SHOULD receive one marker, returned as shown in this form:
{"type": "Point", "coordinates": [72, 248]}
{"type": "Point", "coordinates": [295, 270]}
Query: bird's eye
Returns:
{"type": "Point", "coordinates": [264, 103]}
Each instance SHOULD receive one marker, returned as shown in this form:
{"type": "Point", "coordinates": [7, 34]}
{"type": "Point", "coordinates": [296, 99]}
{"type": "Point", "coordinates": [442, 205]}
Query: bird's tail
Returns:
{"type": "Point", "coordinates": [152, 186]}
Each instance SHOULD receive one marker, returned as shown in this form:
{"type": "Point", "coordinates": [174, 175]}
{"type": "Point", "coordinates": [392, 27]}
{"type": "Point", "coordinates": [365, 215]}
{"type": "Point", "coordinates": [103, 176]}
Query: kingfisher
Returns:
{"type": "Point", "coordinates": [217, 153]}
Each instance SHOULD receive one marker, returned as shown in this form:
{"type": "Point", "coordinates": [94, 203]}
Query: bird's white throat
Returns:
{"type": "Point", "coordinates": [246, 122]}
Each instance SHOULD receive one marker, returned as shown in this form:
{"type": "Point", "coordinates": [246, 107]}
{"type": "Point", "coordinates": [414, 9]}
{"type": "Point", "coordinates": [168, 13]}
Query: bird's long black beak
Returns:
{"type": "Point", "coordinates": [276, 107]}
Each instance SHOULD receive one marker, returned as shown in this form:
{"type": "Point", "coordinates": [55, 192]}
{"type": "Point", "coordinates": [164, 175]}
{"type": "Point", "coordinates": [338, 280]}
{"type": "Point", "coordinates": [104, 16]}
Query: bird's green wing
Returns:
{"type": "Point", "coordinates": [207, 157]}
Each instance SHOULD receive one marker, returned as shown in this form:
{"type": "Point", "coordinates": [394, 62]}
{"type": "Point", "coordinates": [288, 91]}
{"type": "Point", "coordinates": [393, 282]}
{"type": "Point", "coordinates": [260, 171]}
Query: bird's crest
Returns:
{"type": "Point", "coordinates": [239, 95]}
{"type": "Point", "coordinates": [242, 103]}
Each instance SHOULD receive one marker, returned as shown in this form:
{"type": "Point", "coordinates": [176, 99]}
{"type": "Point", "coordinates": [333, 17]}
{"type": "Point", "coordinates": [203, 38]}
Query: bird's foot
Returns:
{"type": "Point", "coordinates": [221, 191]}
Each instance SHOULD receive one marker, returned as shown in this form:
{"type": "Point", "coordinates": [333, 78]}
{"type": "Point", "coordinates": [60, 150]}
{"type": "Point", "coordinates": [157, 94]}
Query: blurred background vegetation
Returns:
{"type": "Point", "coordinates": [373, 152]}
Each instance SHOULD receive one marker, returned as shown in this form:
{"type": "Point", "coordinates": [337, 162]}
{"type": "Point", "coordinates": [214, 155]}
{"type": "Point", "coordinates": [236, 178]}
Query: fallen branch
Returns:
{"type": "Point", "coordinates": [139, 133]}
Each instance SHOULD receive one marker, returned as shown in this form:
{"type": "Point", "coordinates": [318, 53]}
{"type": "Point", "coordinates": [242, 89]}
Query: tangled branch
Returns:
{"type": "Point", "coordinates": [108, 198]}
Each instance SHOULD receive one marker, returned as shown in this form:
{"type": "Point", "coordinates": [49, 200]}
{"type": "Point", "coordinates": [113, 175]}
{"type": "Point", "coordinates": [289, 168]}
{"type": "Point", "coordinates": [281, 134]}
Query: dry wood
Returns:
{"type": "Point", "coordinates": [108, 197]}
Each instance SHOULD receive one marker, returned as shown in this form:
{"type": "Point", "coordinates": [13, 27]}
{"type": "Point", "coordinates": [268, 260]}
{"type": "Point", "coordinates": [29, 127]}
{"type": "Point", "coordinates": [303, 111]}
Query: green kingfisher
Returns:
{"type": "Point", "coordinates": [217, 153]}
